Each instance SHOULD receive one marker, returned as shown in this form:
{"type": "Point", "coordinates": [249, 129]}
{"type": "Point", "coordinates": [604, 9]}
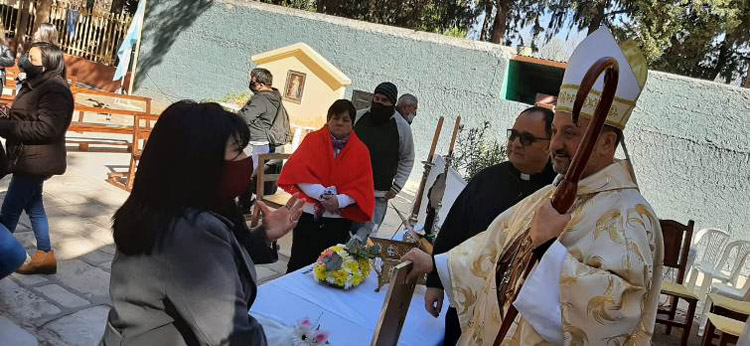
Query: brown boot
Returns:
{"type": "Point", "coordinates": [41, 263]}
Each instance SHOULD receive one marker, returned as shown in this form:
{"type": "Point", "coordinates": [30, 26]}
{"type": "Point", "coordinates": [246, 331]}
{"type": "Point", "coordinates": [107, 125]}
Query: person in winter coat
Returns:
{"type": "Point", "coordinates": [35, 138]}
{"type": "Point", "coordinates": [184, 268]}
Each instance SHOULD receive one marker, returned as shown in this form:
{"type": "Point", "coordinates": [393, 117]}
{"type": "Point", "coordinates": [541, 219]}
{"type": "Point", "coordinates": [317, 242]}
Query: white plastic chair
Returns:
{"type": "Point", "coordinates": [729, 291]}
{"type": "Point", "coordinates": [725, 271]}
{"type": "Point", "coordinates": [707, 249]}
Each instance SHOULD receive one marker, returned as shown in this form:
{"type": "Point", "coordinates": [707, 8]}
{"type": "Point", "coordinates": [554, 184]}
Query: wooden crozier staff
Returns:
{"type": "Point", "coordinates": [509, 270]}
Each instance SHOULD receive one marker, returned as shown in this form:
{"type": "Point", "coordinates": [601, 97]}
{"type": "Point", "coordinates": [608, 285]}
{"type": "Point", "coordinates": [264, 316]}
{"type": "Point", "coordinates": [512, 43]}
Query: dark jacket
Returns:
{"type": "Point", "coordinates": [194, 289]}
{"type": "Point", "coordinates": [259, 113]}
{"type": "Point", "coordinates": [35, 132]}
{"type": "Point", "coordinates": [488, 194]}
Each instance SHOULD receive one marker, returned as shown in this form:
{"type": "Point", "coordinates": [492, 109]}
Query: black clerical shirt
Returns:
{"type": "Point", "coordinates": [488, 194]}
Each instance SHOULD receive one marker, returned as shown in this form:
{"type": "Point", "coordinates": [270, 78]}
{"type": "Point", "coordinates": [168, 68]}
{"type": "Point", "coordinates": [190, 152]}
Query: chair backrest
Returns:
{"type": "Point", "coordinates": [143, 124]}
{"type": "Point", "coordinates": [263, 178]}
{"type": "Point", "coordinates": [709, 244]}
{"type": "Point", "coordinates": [738, 261]}
{"type": "Point", "coordinates": [395, 307]}
{"type": "Point", "coordinates": [677, 240]}
{"type": "Point", "coordinates": [733, 256]}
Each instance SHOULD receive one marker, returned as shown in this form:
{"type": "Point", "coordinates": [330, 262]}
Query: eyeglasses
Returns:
{"type": "Point", "coordinates": [525, 138]}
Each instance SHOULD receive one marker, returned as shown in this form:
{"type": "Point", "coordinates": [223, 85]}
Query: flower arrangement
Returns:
{"type": "Point", "coordinates": [344, 267]}
{"type": "Point", "coordinates": [306, 334]}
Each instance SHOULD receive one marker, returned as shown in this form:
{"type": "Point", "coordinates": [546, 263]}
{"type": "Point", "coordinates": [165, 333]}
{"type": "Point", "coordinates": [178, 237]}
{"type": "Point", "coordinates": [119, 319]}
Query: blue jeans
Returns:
{"type": "Point", "coordinates": [25, 194]}
{"type": "Point", "coordinates": [12, 253]}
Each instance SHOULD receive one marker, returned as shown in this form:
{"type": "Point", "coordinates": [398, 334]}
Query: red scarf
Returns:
{"type": "Point", "coordinates": [351, 172]}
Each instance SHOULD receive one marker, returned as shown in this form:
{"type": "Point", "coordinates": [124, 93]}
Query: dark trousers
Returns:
{"type": "Point", "coordinates": [311, 237]}
{"type": "Point", "coordinates": [452, 327]}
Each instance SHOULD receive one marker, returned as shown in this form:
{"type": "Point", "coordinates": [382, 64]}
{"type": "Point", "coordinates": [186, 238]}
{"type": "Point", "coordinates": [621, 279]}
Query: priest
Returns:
{"type": "Point", "coordinates": [598, 282]}
{"type": "Point", "coordinates": [489, 193]}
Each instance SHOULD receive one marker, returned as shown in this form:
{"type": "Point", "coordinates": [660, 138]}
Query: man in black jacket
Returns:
{"type": "Point", "coordinates": [259, 114]}
{"type": "Point", "coordinates": [489, 193]}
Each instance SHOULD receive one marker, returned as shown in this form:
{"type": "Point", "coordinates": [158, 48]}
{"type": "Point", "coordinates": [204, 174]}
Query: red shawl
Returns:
{"type": "Point", "coordinates": [350, 172]}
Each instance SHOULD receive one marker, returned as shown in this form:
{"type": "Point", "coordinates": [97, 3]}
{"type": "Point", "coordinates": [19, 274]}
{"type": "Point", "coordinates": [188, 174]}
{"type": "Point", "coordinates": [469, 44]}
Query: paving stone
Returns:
{"type": "Point", "coordinates": [97, 257]}
{"type": "Point", "coordinates": [74, 247]}
{"type": "Point", "coordinates": [26, 237]}
{"type": "Point", "coordinates": [84, 328]}
{"type": "Point", "coordinates": [85, 279]}
{"type": "Point", "coordinates": [62, 296]}
{"type": "Point", "coordinates": [11, 334]}
{"type": "Point", "coordinates": [25, 306]}
{"type": "Point", "coordinates": [29, 280]}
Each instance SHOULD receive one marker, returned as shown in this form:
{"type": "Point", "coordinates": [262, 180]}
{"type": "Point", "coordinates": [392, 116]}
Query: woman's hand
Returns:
{"type": "Point", "coordinates": [280, 221]}
{"type": "Point", "coordinates": [330, 203]}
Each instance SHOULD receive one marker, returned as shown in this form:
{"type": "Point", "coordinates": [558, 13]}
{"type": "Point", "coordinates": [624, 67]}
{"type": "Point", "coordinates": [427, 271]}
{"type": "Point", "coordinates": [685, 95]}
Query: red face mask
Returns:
{"type": "Point", "coordinates": [235, 179]}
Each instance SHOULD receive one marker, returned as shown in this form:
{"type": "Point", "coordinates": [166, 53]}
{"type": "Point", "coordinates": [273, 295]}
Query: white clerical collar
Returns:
{"type": "Point", "coordinates": [525, 176]}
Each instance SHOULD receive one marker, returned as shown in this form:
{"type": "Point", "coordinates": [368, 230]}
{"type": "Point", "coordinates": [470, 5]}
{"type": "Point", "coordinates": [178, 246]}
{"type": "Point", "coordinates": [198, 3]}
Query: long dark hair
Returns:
{"type": "Point", "coordinates": [179, 170]}
{"type": "Point", "coordinates": [53, 59]}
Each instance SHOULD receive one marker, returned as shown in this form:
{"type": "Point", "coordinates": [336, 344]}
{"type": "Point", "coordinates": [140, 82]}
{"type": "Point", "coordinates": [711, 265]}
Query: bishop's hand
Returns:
{"type": "Point", "coordinates": [421, 263]}
{"type": "Point", "coordinates": [547, 224]}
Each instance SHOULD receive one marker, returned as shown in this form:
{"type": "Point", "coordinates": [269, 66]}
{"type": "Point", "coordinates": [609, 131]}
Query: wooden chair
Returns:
{"type": "Point", "coordinates": [728, 328]}
{"type": "Point", "coordinates": [395, 307]}
{"type": "Point", "coordinates": [142, 126]}
{"type": "Point", "coordinates": [276, 200]}
{"type": "Point", "coordinates": [677, 240]}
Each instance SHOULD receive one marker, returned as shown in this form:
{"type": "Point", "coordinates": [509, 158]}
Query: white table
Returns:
{"type": "Point", "coordinates": [349, 316]}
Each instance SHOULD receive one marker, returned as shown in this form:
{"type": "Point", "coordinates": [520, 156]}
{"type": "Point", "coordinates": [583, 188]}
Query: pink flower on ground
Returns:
{"type": "Point", "coordinates": [305, 323]}
{"type": "Point", "coordinates": [320, 337]}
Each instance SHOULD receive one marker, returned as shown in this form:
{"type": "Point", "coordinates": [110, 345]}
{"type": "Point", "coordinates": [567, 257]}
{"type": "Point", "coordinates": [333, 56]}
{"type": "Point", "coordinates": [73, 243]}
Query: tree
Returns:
{"type": "Point", "coordinates": [43, 10]}
{"type": "Point", "coordinates": [713, 42]}
{"type": "Point", "coordinates": [704, 39]}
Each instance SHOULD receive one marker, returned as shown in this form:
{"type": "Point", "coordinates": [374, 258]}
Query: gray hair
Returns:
{"type": "Point", "coordinates": [262, 76]}
{"type": "Point", "coordinates": [406, 100]}
{"type": "Point", "coordinates": [46, 33]}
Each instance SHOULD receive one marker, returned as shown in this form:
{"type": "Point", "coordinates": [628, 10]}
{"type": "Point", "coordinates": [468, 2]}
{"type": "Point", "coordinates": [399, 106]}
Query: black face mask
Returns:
{"type": "Point", "coordinates": [32, 71]}
{"type": "Point", "coordinates": [252, 87]}
{"type": "Point", "coordinates": [381, 113]}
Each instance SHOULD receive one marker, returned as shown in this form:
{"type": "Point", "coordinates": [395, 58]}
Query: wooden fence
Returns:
{"type": "Point", "coordinates": [92, 35]}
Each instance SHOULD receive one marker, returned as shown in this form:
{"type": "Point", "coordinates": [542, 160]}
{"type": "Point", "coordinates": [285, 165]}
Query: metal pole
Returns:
{"type": "Point", "coordinates": [137, 49]}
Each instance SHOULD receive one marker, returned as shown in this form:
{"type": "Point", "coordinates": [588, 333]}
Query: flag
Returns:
{"type": "Point", "coordinates": [126, 48]}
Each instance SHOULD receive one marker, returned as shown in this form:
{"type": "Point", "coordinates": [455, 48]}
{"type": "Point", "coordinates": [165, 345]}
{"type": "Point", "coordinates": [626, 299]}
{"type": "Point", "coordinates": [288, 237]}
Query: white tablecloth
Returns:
{"type": "Point", "coordinates": [350, 316]}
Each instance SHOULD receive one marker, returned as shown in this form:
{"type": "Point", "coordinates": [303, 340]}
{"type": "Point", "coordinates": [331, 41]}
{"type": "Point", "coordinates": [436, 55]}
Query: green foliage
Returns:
{"type": "Point", "coordinates": [706, 39]}
{"type": "Point", "coordinates": [697, 38]}
{"type": "Point", "coordinates": [477, 149]}
{"type": "Point", "coordinates": [238, 98]}
{"type": "Point", "coordinates": [455, 32]}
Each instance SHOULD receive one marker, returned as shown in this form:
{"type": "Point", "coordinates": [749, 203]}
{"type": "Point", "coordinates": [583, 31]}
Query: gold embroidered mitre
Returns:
{"type": "Point", "coordinates": [633, 73]}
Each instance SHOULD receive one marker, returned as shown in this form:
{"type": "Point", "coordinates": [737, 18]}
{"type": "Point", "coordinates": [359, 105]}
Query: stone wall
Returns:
{"type": "Point", "coordinates": [689, 138]}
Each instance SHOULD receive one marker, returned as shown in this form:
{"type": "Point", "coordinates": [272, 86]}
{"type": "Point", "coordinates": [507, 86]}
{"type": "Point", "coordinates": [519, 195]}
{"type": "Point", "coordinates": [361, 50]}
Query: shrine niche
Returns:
{"type": "Point", "coordinates": [308, 83]}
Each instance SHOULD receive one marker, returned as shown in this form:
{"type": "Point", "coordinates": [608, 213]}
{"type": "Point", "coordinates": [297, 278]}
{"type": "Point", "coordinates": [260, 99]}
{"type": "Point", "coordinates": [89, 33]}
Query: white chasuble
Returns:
{"type": "Point", "coordinates": [610, 271]}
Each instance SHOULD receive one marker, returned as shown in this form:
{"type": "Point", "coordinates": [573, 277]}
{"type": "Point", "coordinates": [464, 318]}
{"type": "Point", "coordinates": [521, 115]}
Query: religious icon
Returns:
{"type": "Point", "coordinates": [295, 86]}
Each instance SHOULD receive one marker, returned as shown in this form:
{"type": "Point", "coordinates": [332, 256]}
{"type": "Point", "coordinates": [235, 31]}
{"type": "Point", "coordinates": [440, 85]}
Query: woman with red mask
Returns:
{"type": "Point", "coordinates": [331, 170]}
{"type": "Point", "coordinates": [183, 272]}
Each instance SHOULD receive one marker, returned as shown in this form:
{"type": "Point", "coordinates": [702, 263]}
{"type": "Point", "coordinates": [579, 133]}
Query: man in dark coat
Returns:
{"type": "Point", "coordinates": [489, 193]}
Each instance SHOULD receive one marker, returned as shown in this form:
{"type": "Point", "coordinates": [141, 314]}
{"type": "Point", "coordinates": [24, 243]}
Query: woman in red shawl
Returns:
{"type": "Point", "coordinates": [331, 168]}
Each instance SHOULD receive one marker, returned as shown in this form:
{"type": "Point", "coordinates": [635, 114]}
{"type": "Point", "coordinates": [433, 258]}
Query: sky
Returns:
{"type": "Point", "coordinates": [560, 46]}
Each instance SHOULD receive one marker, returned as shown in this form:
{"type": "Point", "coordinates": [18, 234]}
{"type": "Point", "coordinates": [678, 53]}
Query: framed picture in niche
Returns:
{"type": "Point", "coordinates": [295, 86]}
